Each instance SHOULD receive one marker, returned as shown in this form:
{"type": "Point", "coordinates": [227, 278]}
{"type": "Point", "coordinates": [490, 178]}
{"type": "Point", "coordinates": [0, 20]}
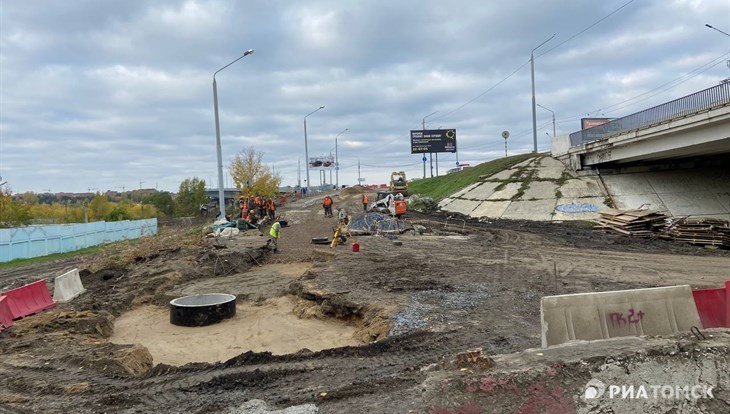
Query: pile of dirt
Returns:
{"type": "Point", "coordinates": [355, 189]}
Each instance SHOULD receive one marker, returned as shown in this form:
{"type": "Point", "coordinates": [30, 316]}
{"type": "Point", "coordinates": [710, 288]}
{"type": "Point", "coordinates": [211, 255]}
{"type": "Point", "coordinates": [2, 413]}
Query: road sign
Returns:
{"type": "Point", "coordinates": [457, 163]}
{"type": "Point", "coordinates": [505, 134]}
{"type": "Point", "coordinates": [423, 159]}
{"type": "Point", "coordinates": [360, 180]}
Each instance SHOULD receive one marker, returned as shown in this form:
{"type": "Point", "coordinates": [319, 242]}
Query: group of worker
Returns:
{"type": "Point", "coordinates": [257, 207]}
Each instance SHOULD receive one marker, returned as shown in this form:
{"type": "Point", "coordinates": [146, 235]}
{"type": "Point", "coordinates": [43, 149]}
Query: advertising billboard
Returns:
{"type": "Point", "coordinates": [433, 140]}
{"type": "Point", "coordinates": [322, 162]}
{"type": "Point", "coordinates": [586, 123]}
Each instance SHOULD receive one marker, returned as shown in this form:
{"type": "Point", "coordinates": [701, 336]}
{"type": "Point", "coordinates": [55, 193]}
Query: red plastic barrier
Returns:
{"type": "Point", "coordinates": [6, 317]}
{"type": "Point", "coordinates": [713, 305]}
{"type": "Point", "coordinates": [29, 299]}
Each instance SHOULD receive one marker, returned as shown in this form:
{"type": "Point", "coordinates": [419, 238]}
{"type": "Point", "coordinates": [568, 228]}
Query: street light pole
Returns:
{"type": "Point", "coordinates": [337, 163]}
{"type": "Point", "coordinates": [715, 28]}
{"type": "Point", "coordinates": [221, 195]}
{"type": "Point", "coordinates": [532, 76]}
{"type": "Point", "coordinates": [430, 154]}
{"type": "Point", "coordinates": [553, 116]}
{"type": "Point", "coordinates": [306, 149]}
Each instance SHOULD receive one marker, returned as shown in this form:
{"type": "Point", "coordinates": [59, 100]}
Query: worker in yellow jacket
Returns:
{"type": "Point", "coordinates": [275, 234]}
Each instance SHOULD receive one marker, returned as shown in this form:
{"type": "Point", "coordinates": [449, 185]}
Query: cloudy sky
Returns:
{"type": "Point", "coordinates": [105, 95]}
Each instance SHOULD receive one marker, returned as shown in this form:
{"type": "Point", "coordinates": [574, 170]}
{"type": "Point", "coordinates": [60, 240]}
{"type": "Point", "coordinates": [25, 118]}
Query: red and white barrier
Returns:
{"type": "Point", "coordinates": [29, 299]}
{"type": "Point", "coordinates": [67, 286]}
{"type": "Point", "coordinates": [713, 305]}
{"type": "Point", "coordinates": [6, 317]}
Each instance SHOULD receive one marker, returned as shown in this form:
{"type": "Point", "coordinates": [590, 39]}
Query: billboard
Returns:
{"type": "Point", "coordinates": [586, 123]}
{"type": "Point", "coordinates": [433, 140]}
{"type": "Point", "coordinates": [322, 162]}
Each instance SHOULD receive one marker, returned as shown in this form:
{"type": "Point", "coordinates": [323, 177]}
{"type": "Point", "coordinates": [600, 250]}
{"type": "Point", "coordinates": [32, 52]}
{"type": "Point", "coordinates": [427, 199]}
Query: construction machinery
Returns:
{"type": "Point", "coordinates": [399, 183]}
{"type": "Point", "coordinates": [391, 203]}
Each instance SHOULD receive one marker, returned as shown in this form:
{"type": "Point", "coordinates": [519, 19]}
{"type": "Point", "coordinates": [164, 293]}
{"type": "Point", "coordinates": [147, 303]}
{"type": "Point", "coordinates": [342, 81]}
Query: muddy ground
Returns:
{"type": "Point", "coordinates": [462, 284]}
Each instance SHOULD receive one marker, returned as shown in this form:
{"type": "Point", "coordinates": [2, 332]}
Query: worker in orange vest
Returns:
{"type": "Point", "coordinates": [364, 202]}
{"type": "Point", "coordinates": [271, 208]}
{"type": "Point", "coordinates": [327, 204]}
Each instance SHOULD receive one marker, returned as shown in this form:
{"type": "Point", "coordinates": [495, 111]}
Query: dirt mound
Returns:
{"type": "Point", "coordinates": [356, 189]}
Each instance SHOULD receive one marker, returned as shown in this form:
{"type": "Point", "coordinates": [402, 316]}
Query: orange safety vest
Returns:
{"type": "Point", "coordinates": [257, 200]}
{"type": "Point", "coordinates": [270, 205]}
{"type": "Point", "coordinates": [364, 199]}
{"type": "Point", "coordinates": [327, 201]}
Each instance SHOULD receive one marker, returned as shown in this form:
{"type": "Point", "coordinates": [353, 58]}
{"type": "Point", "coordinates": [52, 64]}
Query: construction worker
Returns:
{"type": "Point", "coordinates": [342, 216]}
{"type": "Point", "coordinates": [364, 202]}
{"type": "Point", "coordinates": [271, 208]}
{"type": "Point", "coordinates": [275, 234]}
{"type": "Point", "coordinates": [327, 204]}
{"type": "Point", "coordinates": [261, 206]}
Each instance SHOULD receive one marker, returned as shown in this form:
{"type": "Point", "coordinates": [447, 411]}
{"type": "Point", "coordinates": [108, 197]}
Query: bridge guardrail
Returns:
{"type": "Point", "coordinates": [704, 100]}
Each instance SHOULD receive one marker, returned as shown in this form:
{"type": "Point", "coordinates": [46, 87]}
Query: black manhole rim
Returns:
{"type": "Point", "coordinates": [201, 310]}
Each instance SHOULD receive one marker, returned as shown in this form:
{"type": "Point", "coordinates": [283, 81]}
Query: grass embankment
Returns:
{"type": "Point", "coordinates": [440, 187]}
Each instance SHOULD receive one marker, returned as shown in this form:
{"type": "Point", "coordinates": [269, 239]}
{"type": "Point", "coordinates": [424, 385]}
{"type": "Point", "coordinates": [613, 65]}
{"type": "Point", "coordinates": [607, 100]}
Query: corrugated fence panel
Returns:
{"type": "Point", "coordinates": [34, 241]}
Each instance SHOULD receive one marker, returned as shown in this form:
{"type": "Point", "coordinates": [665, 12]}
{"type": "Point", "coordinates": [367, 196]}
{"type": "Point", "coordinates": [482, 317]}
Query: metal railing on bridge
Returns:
{"type": "Point", "coordinates": [705, 100]}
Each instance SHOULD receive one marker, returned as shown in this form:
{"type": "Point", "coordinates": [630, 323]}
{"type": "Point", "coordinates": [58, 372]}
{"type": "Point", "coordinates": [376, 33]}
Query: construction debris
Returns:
{"type": "Point", "coordinates": [635, 223]}
{"type": "Point", "coordinates": [377, 223]}
{"type": "Point", "coordinates": [698, 230]}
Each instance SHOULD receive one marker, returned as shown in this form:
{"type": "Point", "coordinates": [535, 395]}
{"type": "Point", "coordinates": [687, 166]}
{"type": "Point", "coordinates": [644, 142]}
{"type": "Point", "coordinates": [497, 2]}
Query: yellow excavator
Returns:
{"type": "Point", "coordinates": [399, 183]}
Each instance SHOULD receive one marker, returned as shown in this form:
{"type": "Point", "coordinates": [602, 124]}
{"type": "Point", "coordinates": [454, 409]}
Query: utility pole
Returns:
{"type": "Point", "coordinates": [532, 76]}
{"type": "Point", "coordinates": [299, 173]}
{"type": "Point", "coordinates": [359, 180]}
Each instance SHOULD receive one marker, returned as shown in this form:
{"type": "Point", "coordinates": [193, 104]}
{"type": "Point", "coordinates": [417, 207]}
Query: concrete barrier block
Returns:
{"type": "Point", "coordinates": [29, 299]}
{"type": "Point", "coordinates": [67, 286]}
{"type": "Point", "coordinates": [602, 315]}
{"type": "Point", "coordinates": [6, 317]}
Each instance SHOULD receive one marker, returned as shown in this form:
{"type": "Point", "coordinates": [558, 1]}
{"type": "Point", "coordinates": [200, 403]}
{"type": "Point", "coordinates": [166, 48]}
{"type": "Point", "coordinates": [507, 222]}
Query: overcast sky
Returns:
{"type": "Point", "coordinates": [103, 95]}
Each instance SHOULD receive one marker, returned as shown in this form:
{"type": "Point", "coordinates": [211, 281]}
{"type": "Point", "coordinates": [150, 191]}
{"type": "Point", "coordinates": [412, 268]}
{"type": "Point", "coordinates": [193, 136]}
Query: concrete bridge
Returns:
{"type": "Point", "coordinates": [691, 126]}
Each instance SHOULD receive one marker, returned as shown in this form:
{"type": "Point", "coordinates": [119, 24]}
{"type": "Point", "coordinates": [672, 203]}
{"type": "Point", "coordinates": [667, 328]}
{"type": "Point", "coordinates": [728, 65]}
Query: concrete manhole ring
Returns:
{"type": "Point", "coordinates": [202, 310]}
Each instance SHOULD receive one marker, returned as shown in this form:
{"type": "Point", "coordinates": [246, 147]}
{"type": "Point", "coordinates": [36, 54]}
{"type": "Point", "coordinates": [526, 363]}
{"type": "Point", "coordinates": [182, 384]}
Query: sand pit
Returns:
{"type": "Point", "coordinates": [268, 326]}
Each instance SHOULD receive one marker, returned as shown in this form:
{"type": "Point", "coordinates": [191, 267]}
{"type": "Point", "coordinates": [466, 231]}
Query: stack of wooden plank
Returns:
{"type": "Point", "coordinates": [699, 230]}
{"type": "Point", "coordinates": [637, 223]}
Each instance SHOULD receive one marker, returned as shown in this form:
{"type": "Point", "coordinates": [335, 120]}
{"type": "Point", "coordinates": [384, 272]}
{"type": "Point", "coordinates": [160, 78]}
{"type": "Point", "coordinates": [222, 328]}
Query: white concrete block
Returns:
{"type": "Point", "coordinates": [502, 175]}
{"type": "Point", "coordinates": [530, 210]}
{"type": "Point", "coordinates": [603, 315]}
{"type": "Point", "coordinates": [67, 286]}
{"type": "Point", "coordinates": [462, 206]}
{"type": "Point", "coordinates": [540, 190]}
{"type": "Point", "coordinates": [481, 192]}
{"type": "Point", "coordinates": [550, 173]}
{"type": "Point", "coordinates": [506, 193]}
{"type": "Point", "coordinates": [491, 209]}
{"type": "Point", "coordinates": [465, 190]}
{"type": "Point", "coordinates": [583, 187]}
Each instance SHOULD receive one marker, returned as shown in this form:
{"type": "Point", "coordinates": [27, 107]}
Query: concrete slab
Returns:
{"type": "Point", "coordinates": [584, 216]}
{"type": "Point", "coordinates": [506, 193]}
{"type": "Point", "coordinates": [445, 202]}
{"type": "Point", "coordinates": [694, 203]}
{"type": "Point", "coordinates": [651, 201]}
{"type": "Point", "coordinates": [465, 190]}
{"type": "Point", "coordinates": [718, 180]}
{"type": "Point", "coordinates": [540, 190]}
{"type": "Point", "coordinates": [627, 184]}
{"type": "Point", "coordinates": [724, 199]}
{"type": "Point", "coordinates": [589, 316]}
{"type": "Point", "coordinates": [530, 210]}
{"type": "Point", "coordinates": [502, 175]}
{"type": "Point", "coordinates": [462, 206]}
{"type": "Point", "coordinates": [677, 181]}
{"type": "Point", "coordinates": [481, 192]}
{"type": "Point", "coordinates": [491, 209]}
{"type": "Point", "coordinates": [525, 163]}
{"type": "Point", "coordinates": [550, 173]}
{"type": "Point", "coordinates": [584, 187]}
{"type": "Point", "coordinates": [550, 162]}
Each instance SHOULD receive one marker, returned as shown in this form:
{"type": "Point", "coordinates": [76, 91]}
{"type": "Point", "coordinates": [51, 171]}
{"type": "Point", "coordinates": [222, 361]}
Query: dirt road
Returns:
{"type": "Point", "coordinates": [461, 285]}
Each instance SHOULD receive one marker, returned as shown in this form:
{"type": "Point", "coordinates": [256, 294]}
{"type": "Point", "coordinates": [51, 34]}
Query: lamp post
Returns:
{"type": "Point", "coordinates": [532, 76]}
{"type": "Point", "coordinates": [306, 149]}
{"type": "Point", "coordinates": [430, 155]}
{"type": "Point", "coordinates": [337, 163]}
{"type": "Point", "coordinates": [553, 116]}
{"type": "Point", "coordinates": [221, 195]}
{"type": "Point", "coordinates": [715, 28]}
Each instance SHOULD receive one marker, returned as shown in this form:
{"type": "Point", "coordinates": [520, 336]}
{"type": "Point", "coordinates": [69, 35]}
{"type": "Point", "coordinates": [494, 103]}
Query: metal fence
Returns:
{"type": "Point", "coordinates": [705, 100]}
{"type": "Point", "coordinates": [35, 241]}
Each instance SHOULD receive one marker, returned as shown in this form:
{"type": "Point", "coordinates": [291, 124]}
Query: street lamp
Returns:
{"type": "Point", "coordinates": [430, 155]}
{"type": "Point", "coordinates": [553, 116]}
{"type": "Point", "coordinates": [532, 75]}
{"type": "Point", "coordinates": [221, 196]}
{"type": "Point", "coordinates": [337, 164]}
{"type": "Point", "coordinates": [715, 28]}
{"type": "Point", "coordinates": [306, 149]}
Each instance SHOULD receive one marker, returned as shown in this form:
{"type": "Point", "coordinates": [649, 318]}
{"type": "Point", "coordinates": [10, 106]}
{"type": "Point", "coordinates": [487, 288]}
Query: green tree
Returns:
{"type": "Point", "coordinates": [190, 196]}
{"type": "Point", "coordinates": [252, 176]}
{"type": "Point", "coordinates": [163, 202]}
{"type": "Point", "coordinates": [13, 213]}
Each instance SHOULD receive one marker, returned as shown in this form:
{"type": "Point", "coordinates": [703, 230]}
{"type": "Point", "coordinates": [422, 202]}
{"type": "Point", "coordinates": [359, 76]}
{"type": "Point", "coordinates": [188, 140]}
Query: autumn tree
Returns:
{"type": "Point", "coordinates": [12, 213]}
{"type": "Point", "coordinates": [99, 207]}
{"type": "Point", "coordinates": [251, 175]}
{"type": "Point", "coordinates": [163, 202]}
{"type": "Point", "coordinates": [190, 196]}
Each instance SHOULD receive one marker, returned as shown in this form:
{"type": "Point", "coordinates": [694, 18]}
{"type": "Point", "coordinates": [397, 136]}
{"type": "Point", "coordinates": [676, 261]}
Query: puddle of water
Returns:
{"type": "Point", "coordinates": [270, 326]}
